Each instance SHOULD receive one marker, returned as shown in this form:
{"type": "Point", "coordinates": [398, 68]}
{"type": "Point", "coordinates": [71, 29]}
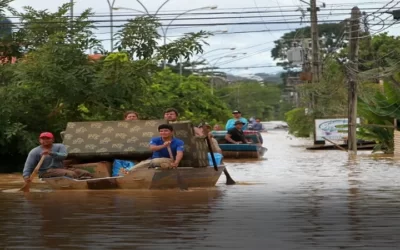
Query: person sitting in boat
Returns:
{"type": "Point", "coordinates": [166, 139]}
{"type": "Point", "coordinates": [159, 146]}
{"type": "Point", "coordinates": [217, 127]}
{"type": "Point", "coordinates": [171, 115]}
{"type": "Point", "coordinates": [131, 116]}
{"type": "Point", "coordinates": [251, 122]}
{"type": "Point", "coordinates": [52, 165]}
{"type": "Point", "coordinates": [237, 116]}
{"type": "Point", "coordinates": [235, 135]}
{"type": "Point", "coordinates": [206, 130]}
{"type": "Point", "coordinates": [257, 126]}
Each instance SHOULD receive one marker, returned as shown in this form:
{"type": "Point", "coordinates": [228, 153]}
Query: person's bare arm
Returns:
{"type": "Point", "coordinates": [159, 147]}
{"type": "Point", "coordinates": [216, 146]}
{"type": "Point", "coordinates": [179, 156]}
{"type": "Point", "coordinates": [229, 139]}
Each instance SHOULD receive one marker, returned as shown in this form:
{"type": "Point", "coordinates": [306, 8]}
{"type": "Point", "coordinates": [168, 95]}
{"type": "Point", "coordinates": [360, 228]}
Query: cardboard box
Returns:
{"type": "Point", "coordinates": [97, 169]}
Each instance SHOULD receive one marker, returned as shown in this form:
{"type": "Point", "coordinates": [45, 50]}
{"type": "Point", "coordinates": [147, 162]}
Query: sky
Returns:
{"type": "Point", "coordinates": [252, 52]}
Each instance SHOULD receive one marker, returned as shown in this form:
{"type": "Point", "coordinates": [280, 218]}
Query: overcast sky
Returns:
{"type": "Point", "coordinates": [257, 45]}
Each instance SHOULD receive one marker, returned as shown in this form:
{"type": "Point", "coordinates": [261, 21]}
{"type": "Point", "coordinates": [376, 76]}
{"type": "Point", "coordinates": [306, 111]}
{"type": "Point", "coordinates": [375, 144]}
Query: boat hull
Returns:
{"type": "Point", "coordinates": [242, 151]}
{"type": "Point", "coordinates": [153, 178]}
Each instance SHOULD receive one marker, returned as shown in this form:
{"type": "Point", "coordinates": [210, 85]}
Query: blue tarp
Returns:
{"type": "Point", "coordinates": [118, 164]}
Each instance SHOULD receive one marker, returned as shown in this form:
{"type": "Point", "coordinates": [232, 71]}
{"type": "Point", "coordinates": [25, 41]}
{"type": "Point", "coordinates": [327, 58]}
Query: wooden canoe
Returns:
{"type": "Point", "coordinates": [152, 178]}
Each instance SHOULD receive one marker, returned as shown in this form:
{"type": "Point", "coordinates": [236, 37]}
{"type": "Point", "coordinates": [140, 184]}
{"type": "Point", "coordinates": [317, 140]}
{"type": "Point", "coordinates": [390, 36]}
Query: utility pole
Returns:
{"type": "Point", "coordinates": [111, 11]}
{"type": "Point", "coordinates": [72, 19]}
{"type": "Point", "coordinates": [316, 67]}
{"type": "Point", "coordinates": [353, 68]}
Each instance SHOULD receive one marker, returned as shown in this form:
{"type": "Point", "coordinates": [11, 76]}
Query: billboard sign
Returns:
{"type": "Point", "coordinates": [331, 129]}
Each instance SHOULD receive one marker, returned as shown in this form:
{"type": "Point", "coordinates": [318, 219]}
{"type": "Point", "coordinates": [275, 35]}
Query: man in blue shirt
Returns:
{"type": "Point", "coordinates": [160, 144]}
{"type": "Point", "coordinates": [237, 117]}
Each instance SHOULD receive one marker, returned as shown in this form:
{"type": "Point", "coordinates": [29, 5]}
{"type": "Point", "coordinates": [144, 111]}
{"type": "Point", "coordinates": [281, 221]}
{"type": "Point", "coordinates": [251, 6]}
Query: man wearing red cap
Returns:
{"type": "Point", "coordinates": [52, 165]}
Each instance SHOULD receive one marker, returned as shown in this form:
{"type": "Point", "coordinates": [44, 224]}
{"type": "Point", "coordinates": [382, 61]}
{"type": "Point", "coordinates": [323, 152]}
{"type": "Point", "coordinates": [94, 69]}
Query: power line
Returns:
{"type": "Point", "coordinates": [197, 24]}
{"type": "Point", "coordinates": [239, 15]}
{"type": "Point", "coordinates": [126, 20]}
{"type": "Point", "coordinates": [282, 6]}
{"type": "Point", "coordinates": [267, 10]}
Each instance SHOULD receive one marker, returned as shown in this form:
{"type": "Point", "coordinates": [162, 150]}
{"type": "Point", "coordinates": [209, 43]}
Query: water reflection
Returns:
{"type": "Point", "coordinates": [353, 199]}
{"type": "Point", "coordinates": [296, 199]}
{"type": "Point", "coordinates": [81, 218]}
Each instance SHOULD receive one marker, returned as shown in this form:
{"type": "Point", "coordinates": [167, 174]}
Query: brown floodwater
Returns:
{"type": "Point", "coordinates": [291, 199]}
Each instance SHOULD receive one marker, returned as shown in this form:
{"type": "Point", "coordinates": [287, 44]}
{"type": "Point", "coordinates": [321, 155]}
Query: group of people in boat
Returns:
{"type": "Point", "coordinates": [165, 148]}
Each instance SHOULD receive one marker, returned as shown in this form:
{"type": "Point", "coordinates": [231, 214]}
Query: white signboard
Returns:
{"type": "Point", "coordinates": [329, 128]}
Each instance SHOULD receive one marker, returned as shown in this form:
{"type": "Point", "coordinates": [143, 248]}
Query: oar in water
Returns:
{"type": "Point", "coordinates": [182, 185]}
{"type": "Point", "coordinates": [26, 186]}
{"type": "Point", "coordinates": [229, 180]}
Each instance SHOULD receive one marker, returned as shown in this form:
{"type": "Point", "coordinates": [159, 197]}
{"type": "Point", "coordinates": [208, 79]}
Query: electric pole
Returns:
{"type": "Point", "coordinates": [353, 68]}
{"type": "Point", "coordinates": [72, 20]}
{"type": "Point", "coordinates": [316, 67]}
{"type": "Point", "coordinates": [111, 10]}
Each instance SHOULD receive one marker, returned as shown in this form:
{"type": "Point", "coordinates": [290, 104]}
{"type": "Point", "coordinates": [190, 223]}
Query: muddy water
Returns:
{"type": "Point", "coordinates": [292, 199]}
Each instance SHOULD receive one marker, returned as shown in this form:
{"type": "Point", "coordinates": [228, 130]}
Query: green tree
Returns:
{"type": "Point", "coordinates": [252, 98]}
{"type": "Point", "coordinates": [299, 123]}
{"type": "Point", "coordinates": [191, 96]}
{"type": "Point", "coordinates": [380, 109]}
{"type": "Point", "coordinates": [139, 38]}
{"type": "Point", "coordinates": [331, 31]}
{"type": "Point", "coordinates": [41, 26]}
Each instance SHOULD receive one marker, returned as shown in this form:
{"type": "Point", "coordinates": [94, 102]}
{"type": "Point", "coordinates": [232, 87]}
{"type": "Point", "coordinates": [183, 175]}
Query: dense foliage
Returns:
{"type": "Point", "coordinates": [299, 123]}
{"type": "Point", "coordinates": [252, 98]}
{"type": "Point", "coordinates": [330, 31]}
{"type": "Point", "coordinates": [379, 112]}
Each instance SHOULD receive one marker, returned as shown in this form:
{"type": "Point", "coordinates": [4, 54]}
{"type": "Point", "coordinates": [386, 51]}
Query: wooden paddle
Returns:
{"type": "Point", "coordinates": [182, 185]}
{"type": "Point", "coordinates": [229, 180]}
{"type": "Point", "coordinates": [26, 186]}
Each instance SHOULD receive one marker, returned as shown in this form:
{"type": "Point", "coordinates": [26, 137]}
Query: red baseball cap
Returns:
{"type": "Point", "coordinates": [46, 135]}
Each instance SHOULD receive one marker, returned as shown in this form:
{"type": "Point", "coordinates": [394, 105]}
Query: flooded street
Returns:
{"type": "Point", "coordinates": [292, 199]}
